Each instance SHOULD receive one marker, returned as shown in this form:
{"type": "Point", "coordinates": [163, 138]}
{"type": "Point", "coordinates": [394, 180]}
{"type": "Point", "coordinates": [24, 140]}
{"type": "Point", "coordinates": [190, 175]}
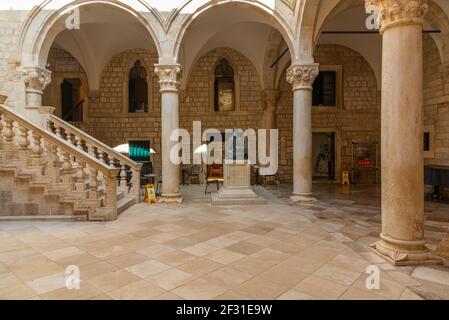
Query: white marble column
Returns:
{"type": "Point", "coordinates": [36, 80]}
{"type": "Point", "coordinates": [402, 238]}
{"type": "Point", "coordinates": [168, 80]}
{"type": "Point", "coordinates": [301, 77]}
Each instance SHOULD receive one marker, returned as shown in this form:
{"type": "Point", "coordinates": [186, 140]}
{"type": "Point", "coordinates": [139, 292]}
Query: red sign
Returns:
{"type": "Point", "coordinates": [365, 163]}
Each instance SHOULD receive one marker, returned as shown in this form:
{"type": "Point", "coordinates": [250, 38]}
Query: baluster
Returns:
{"type": "Point", "coordinates": [56, 162]}
{"type": "Point", "coordinates": [68, 137]}
{"type": "Point", "coordinates": [23, 140]}
{"type": "Point", "coordinates": [58, 130]}
{"type": "Point", "coordinates": [66, 168]}
{"type": "Point", "coordinates": [8, 132]}
{"type": "Point", "coordinates": [80, 185]}
{"type": "Point", "coordinates": [79, 143]}
{"type": "Point", "coordinates": [37, 149]}
{"type": "Point", "coordinates": [101, 156]}
{"type": "Point", "coordinates": [123, 182]}
{"type": "Point", "coordinates": [93, 184]}
{"type": "Point", "coordinates": [90, 149]}
{"type": "Point", "coordinates": [135, 183]}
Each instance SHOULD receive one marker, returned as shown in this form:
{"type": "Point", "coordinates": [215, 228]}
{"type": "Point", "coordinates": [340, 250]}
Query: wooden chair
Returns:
{"type": "Point", "coordinates": [214, 174]}
{"type": "Point", "coordinates": [195, 174]}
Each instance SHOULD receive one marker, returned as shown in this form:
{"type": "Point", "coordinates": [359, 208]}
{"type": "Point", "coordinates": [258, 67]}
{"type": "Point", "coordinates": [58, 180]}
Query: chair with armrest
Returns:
{"type": "Point", "coordinates": [214, 174]}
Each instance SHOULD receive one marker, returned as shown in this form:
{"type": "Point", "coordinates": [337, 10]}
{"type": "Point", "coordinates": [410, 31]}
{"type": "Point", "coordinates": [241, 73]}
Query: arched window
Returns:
{"type": "Point", "coordinates": [224, 87]}
{"type": "Point", "coordinates": [138, 89]}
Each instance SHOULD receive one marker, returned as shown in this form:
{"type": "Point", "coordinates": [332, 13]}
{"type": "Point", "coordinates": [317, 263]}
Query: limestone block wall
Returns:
{"type": "Point", "coordinates": [198, 97]}
{"type": "Point", "coordinates": [357, 118]}
{"type": "Point", "coordinates": [436, 102]}
{"type": "Point", "coordinates": [10, 27]}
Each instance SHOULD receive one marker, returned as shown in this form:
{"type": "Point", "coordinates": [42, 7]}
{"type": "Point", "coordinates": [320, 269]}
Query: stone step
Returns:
{"type": "Point", "coordinates": [120, 195]}
{"type": "Point", "coordinates": [125, 203]}
{"type": "Point", "coordinates": [45, 218]}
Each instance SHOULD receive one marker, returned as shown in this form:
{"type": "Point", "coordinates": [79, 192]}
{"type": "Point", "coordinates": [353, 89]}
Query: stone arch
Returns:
{"type": "Point", "coordinates": [274, 19]}
{"type": "Point", "coordinates": [203, 72]}
{"type": "Point", "coordinates": [129, 65]}
{"type": "Point", "coordinates": [43, 25]}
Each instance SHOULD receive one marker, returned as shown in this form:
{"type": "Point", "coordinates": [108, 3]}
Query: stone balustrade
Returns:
{"type": "Point", "coordinates": [67, 165]}
{"type": "Point", "coordinates": [128, 177]}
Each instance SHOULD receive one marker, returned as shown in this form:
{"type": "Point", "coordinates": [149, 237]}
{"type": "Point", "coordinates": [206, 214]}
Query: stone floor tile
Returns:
{"type": "Point", "coordinates": [228, 277]}
{"type": "Point", "coordinates": [343, 276]}
{"type": "Point", "coordinates": [127, 259]}
{"type": "Point", "coordinates": [85, 292]}
{"type": "Point", "coordinates": [321, 288]}
{"type": "Point", "coordinates": [112, 280]}
{"type": "Point", "coordinates": [294, 294]}
{"type": "Point", "coordinates": [224, 256]}
{"type": "Point", "coordinates": [139, 290]}
{"type": "Point", "coordinates": [176, 258]}
{"type": "Point", "coordinates": [48, 283]}
{"type": "Point", "coordinates": [199, 289]}
{"type": "Point", "coordinates": [147, 268]}
{"type": "Point", "coordinates": [286, 276]}
{"type": "Point", "coordinates": [200, 266]}
{"type": "Point", "coordinates": [251, 265]}
{"type": "Point", "coordinates": [170, 279]}
{"type": "Point", "coordinates": [261, 289]}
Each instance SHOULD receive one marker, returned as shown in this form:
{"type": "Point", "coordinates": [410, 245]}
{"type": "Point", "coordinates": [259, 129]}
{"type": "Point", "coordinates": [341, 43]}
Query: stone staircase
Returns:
{"type": "Point", "coordinates": [61, 173]}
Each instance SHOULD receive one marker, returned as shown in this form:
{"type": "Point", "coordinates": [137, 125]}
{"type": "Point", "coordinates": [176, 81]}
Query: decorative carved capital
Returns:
{"type": "Point", "coordinates": [399, 11]}
{"type": "Point", "coordinates": [168, 76]}
{"type": "Point", "coordinates": [271, 99]}
{"type": "Point", "coordinates": [37, 79]}
{"type": "Point", "coordinates": [302, 76]}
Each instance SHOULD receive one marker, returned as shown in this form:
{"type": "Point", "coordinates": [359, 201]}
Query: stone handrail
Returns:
{"type": "Point", "coordinates": [61, 156]}
{"type": "Point", "coordinates": [101, 152]}
{"type": "Point", "coordinates": [94, 142]}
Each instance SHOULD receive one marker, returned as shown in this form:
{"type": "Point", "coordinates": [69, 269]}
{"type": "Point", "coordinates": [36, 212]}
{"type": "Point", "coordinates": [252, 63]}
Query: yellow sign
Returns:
{"type": "Point", "coordinates": [150, 194]}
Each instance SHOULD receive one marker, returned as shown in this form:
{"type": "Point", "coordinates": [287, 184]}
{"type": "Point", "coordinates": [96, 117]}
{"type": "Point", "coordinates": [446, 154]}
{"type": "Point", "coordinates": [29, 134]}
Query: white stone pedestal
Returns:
{"type": "Point", "coordinates": [236, 188]}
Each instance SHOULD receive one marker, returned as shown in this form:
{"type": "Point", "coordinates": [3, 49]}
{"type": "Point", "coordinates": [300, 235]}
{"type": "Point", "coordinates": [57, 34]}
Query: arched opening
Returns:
{"type": "Point", "coordinates": [113, 54]}
{"type": "Point", "coordinates": [224, 87]}
{"type": "Point", "coordinates": [137, 89]}
{"type": "Point", "coordinates": [231, 54]}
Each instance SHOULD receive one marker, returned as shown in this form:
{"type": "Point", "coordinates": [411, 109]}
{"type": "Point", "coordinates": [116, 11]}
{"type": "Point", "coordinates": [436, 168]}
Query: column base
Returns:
{"type": "Point", "coordinates": [170, 198]}
{"type": "Point", "coordinates": [404, 253]}
{"type": "Point", "coordinates": [303, 197]}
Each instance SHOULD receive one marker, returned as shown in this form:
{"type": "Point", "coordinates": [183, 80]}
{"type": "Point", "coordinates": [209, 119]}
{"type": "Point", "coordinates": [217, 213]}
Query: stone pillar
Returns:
{"type": "Point", "coordinates": [402, 238]}
{"type": "Point", "coordinates": [271, 99]}
{"type": "Point", "coordinates": [36, 79]}
{"type": "Point", "coordinates": [301, 77]}
{"type": "Point", "coordinates": [168, 80]}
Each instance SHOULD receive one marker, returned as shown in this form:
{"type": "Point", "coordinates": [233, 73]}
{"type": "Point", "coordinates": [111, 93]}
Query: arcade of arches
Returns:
{"type": "Point", "coordinates": [374, 105]}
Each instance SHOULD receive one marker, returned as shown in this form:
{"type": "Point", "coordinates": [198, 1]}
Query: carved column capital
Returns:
{"type": "Point", "coordinates": [302, 77]}
{"type": "Point", "coordinates": [398, 12]}
{"type": "Point", "coordinates": [168, 76]}
{"type": "Point", "coordinates": [36, 79]}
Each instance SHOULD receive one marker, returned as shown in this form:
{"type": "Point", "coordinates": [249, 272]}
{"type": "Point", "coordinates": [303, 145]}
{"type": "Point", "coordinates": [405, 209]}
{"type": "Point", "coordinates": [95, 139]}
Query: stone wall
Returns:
{"type": "Point", "coordinates": [197, 99]}
{"type": "Point", "coordinates": [436, 102]}
{"type": "Point", "coordinates": [356, 119]}
{"type": "Point", "coordinates": [10, 27]}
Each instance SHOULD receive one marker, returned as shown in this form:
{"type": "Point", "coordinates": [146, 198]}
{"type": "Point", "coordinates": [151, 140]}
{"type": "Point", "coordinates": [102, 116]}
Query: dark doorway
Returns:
{"type": "Point", "coordinates": [323, 155]}
{"type": "Point", "coordinates": [71, 100]}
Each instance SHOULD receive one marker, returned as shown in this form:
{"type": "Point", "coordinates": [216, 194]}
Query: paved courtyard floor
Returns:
{"type": "Point", "coordinates": [281, 250]}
